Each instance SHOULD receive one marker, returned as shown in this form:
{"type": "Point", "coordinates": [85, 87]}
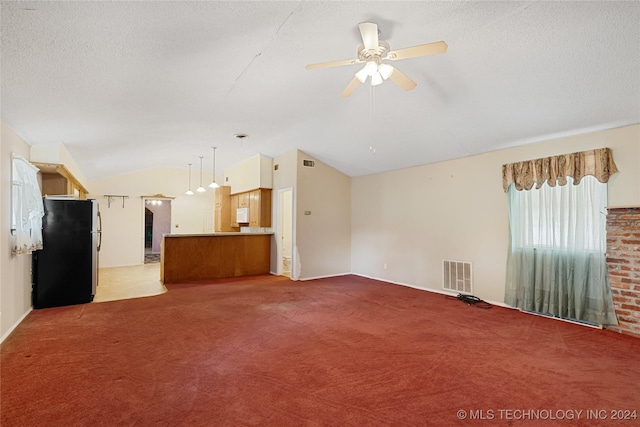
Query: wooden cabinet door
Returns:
{"type": "Point", "coordinates": [223, 209]}
{"type": "Point", "coordinates": [254, 208]}
{"type": "Point", "coordinates": [217, 219]}
{"type": "Point", "coordinates": [265, 207]}
{"type": "Point", "coordinates": [243, 200]}
{"type": "Point", "coordinates": [219, 192]}
{"type": "Point", "coordinates": [260, 208]}
{"type": "Point", "coordinates": [54, 184]}
{"type": "Point", "coordinates": [234, 208]}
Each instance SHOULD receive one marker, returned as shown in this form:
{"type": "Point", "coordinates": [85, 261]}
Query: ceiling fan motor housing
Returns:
{"type": "Point", "coordinates": [376, 55]}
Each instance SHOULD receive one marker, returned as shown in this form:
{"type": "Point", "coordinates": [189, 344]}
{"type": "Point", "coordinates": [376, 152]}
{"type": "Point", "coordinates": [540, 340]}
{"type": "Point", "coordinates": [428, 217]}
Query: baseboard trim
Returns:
{"type": "Point", "coordinates": [499, 304]}
{"type": "Point", "coordinates": [323, 277]}
{"type": "Point", "coordinates": [15, 325]}
{"type": "Point", "coordinates": [435, 291]}
{"type": "Point", "coordinates": [575, 322]}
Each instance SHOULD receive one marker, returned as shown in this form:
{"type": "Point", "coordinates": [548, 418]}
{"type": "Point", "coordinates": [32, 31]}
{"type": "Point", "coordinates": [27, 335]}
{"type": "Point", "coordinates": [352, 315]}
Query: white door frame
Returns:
{"type": "Point", "coordinates": [279, 232]}
{"type": "Point", "coordinates": [144, 205]}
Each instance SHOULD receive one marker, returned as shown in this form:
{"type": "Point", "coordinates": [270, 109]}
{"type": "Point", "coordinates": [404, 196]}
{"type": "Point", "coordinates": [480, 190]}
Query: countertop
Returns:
{"type": "Point", "coordinates": [226, 234]}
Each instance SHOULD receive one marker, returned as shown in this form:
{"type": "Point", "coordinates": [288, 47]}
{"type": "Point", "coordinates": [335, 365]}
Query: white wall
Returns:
{"type": "Point", "coordinates": [321, 240]}
{"type": "Point", "coordinates": [254, 172]}
{"type": "Point", "coordinates": [323, 237]}
{"type": "Point", "coordinates": [122, 227]}
{"type": "Point", "coordinates": [15, 271]}
{"type": "Point", "coordinates": [58, 154]}
{"type": "Point", "coordinates": [412, 219]}
{"type": "Point", "coordinates": [285, 177]}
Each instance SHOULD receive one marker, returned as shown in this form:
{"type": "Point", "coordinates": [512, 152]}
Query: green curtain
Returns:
{"type": "Point", "coordinates": [556, 263]}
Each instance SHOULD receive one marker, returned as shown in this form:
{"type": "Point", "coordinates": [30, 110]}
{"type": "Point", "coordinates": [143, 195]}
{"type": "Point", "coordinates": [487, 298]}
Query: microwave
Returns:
{"type": "Point", "coordinates": [242, 215]}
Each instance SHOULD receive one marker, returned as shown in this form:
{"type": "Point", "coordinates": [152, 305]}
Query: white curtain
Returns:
{"type": "Point", "coordinates": [27, 208]}
{"type": "Point", "coordinates": [556, 262]}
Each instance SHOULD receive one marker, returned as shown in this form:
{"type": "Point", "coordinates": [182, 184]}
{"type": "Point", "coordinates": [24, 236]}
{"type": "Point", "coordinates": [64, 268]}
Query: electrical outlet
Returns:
{"type": "Point", "coordinates": [384, 265]}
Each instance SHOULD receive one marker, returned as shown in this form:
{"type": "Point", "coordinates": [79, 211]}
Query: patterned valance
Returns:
{"type": "Point", "coordinates": [555, 170]}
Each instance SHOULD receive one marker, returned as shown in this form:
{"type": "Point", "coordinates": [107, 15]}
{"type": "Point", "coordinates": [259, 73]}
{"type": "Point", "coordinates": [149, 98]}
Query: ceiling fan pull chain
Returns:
{"type": "Point", "coordinates": [372, 104]}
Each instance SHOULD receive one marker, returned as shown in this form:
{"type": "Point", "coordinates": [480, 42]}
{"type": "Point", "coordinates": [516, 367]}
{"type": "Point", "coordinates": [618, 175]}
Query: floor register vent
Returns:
{"type": "Point", "coordinates": [456, 276]}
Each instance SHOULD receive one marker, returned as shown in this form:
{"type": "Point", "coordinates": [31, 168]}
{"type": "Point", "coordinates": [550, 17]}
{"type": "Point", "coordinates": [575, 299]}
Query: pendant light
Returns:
{"type": "Point", "coordinates": [214, 184]}
{"type": "Point", "coordinates": [189, 192]}
{"type": "Point", "coordinates": [201, 189]}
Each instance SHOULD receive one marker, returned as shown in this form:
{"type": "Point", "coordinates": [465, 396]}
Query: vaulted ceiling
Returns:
{"type": "Point", "coordinates": [127, 86]}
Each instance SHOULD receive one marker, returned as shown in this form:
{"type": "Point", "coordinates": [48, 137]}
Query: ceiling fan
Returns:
{"type": "Point", "coordinates": [373, 52]}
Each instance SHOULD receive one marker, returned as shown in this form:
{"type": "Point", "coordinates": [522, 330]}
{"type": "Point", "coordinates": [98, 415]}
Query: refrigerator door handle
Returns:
{"type": "Point", "coordinates": [99, 231]}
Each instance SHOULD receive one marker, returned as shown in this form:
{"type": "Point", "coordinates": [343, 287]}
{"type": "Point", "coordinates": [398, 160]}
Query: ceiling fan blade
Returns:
{"type": "Point", "coordinates": [402, 80]}
{"type": "Point", "coordinates": [350, 88]}
{"type": "Point", "coordinates": [332, 64]}
{"type": "Point", "coordinates": [369, 32]}
{"type": "Point", "coordinates": [420, 50]}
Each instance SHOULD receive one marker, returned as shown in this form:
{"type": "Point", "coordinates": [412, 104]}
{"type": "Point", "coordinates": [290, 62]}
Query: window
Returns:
{"type": "Point", "coordinates": [568, 217]}
{"type": "Point", "coordinates": [556, 263]}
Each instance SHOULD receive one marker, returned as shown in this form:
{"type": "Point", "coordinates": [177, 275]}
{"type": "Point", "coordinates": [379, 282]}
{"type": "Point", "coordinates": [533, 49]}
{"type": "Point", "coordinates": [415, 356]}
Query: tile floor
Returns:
{"type": "Point", "coordinates": [136, 281]}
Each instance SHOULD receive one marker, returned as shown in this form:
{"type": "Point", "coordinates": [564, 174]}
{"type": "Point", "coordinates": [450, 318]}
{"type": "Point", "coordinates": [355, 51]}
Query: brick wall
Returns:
{"type": "Point", "coordinates": [623, 263]}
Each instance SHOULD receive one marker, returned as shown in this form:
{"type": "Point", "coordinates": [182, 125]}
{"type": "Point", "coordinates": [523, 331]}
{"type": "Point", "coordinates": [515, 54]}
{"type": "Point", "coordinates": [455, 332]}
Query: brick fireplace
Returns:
{"type": "Point", "coordinates": [623, 263]}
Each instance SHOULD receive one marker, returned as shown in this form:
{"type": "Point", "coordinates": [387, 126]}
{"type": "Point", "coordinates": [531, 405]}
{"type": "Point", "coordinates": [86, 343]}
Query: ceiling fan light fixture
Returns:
{"type": "Point", "coordinates": [362, 75]}
{"type": "Point", "coordinates": [385, 70]}
{"type": "Point", "coordinates": [371, 68]}
{"type": "Point", "coordinates": [376, 79]}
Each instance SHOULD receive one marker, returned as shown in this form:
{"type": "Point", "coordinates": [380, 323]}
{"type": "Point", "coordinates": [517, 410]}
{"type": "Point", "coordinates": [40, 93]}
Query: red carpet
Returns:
{"type": "Point", "coordinates": [345, 351]}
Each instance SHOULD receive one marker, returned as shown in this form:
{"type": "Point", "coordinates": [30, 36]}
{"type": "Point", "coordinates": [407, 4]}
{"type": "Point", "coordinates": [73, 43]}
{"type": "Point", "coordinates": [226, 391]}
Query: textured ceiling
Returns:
{"type": "Point", "coordinates": [137, 85]}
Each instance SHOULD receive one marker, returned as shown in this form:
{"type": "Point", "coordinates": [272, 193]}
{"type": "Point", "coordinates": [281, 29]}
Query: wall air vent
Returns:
{"type": "Point", "coordinates": [275, 167]}
{"type": "Point", "coordinates": [456, 276]}
{"type": "Point", "coordinates": [308, 163]}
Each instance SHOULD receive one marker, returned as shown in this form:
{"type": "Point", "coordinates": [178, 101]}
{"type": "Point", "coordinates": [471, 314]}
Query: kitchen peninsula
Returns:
{"type": "Point", "coordinates": [192, 257]}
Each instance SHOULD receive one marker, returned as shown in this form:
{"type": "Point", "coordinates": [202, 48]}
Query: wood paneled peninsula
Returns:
{"type": "Point", "coordinates": [193, 257]}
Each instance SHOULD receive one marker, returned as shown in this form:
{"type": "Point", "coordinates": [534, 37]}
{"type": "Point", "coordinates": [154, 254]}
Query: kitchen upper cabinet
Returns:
{"type": "Point", "coordinates": [258, 203]}
{"type": "Point", "coordinates": [223, 210]}
{"type": "Point", "coordinates": [57, 180]}
{"type": "Point", "coordinates": [235, 200]}
{"type": "Point", "coordinates": [260, 208]}
{"type": "Point", "coordinates": [243, 200]}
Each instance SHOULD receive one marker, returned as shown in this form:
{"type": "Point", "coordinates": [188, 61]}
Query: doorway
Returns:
{"type": "Point", "coordinates": [285, 231]}
{"type": "Point", "coordinates": [148, 230]}
{"type": "Point", "coordinates": [157, 222]}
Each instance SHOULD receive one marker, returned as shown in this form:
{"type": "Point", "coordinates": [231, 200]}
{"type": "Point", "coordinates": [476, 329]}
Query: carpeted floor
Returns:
{"type": "Point", "coordinates": [347, 351]}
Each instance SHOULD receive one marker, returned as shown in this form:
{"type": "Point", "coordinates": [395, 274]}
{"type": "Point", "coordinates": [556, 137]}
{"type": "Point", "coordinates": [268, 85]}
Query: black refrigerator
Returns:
{"type": "Point", "coordinates": [65, 271]}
